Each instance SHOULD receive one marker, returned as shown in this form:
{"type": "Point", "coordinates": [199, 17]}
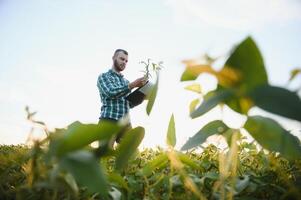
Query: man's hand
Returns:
{"type": "Point", "coordinates": [138, 82]}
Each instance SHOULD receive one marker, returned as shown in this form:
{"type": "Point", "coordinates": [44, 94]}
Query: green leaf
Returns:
{"type": "Point", "coordinates": [171, 132]}
{"type": "Point", "coordinates": [79, 135]}
{"type": "Point", "coordinates": [188, 161]}
{"type": "Point", "coordinates": [270, 135]}
{"type": "Point", "coordinates": [211, 175]}
{"type": "Point", "coordinates": [152, 96]}
{"type": "Point", "coordinates": [86, 170]}
{"type": "Point", "coordinates": [128, 146]}
{"type": "Point", "coordinates": [71, 182]}
{"type": "Point", "coordinates": [210, 101]}
{"type": "Point", "coordinates": [278, 100]}
{"type": "Point", "coordinates": [188, 76]}
{"type": "Point", "coordinates": [239, 103]}
{"type": "Point", "coordinates": [193, 104]}
{"type": "Point", "coordinates": [247, 59]}
{"type": "Point", "coordinates": [215, 127]}
{"type": "Point", "coordinates": [194, 88]}
{"type": "Point", "coordinates": [192, 72]}
{"type": "Point", "coordinates": [157, 162]}
{"type": "Point", "coordinates": [229, 134]}
{"type": "Point", "coordinates": [117, 179]}
{"type": "Point", "coordinates": [228, 77]}
{"type": "Point", "coordinates": [294, 73]}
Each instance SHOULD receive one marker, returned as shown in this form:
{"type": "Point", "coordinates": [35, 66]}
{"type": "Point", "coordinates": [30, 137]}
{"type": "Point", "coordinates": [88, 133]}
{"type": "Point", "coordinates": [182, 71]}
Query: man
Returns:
{"type": "Point", "coordinates": [113, 89]}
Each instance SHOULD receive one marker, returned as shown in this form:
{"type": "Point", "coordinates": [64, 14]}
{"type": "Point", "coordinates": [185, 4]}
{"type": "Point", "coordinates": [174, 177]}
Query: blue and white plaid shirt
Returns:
{"type": "Point", "coordinates": [113, 88]}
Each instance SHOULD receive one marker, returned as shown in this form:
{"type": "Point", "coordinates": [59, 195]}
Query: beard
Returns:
{"type": "Point", "coordinates": [118, 67]}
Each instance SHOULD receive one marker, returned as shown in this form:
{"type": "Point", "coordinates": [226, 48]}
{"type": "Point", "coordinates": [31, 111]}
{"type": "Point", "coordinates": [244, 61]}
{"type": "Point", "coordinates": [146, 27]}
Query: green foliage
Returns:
{"type": "Point", "coordinates": [243, 84]}
{"type": "Point", "coordinates": [117, 180]}
{"type": "Point", "coordinates": [260, 175]}
{"type": "Point", "coordinates": [171, 132]}
{"type": "Point", "coordinates": [270, 135]}
{"type": "Point", "coordinates": [294, 73]}
{"type": "Point", "coordinates": [247, 63]}
{"type": "Point", "coordinates": [159, 161]}
{"type": "Point", "coordinates": [86, 170]}
{"type": "Point", "coordinates": [152, 96]}
{"type": "Point", "coordinates": [215, 127]}
{"type": "Point", "coordinates": [193, 104]}
{"type": "Point", "coordinates": [128, 146]}
{"type": "Point", "coordinates": [78, 135]}
{"type": "Point", "coordinates": [210, 101]}
{"type": "Point", "coordinates": [247, 59]}
{"type": "Point", "coordinates": [152, 67]}
{"type": "Point", "coordinates": [12, 174]}
{"type": "Point", "coordinates": [278, 100]}
{"type": "Point", "coordinates": [194, 88]}
{"type": "Point", "coordinates": [193, 71]}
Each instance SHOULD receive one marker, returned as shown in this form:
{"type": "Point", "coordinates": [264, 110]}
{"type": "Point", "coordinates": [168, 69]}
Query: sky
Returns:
{"type": "Point", "coordinates": [52, 51]}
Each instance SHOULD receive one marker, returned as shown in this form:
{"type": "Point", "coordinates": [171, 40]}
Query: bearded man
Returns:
{"type": "Point", "coordinates": [113, 89]}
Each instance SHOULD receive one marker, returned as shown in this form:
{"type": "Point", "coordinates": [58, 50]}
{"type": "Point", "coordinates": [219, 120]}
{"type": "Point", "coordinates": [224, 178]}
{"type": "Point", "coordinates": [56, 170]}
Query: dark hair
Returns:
{"type": "Point", "coordinates": [120, 50]}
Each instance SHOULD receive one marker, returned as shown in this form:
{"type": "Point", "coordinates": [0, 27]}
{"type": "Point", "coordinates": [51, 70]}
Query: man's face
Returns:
{"type": "Point", "coordinates": [120, 60]}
